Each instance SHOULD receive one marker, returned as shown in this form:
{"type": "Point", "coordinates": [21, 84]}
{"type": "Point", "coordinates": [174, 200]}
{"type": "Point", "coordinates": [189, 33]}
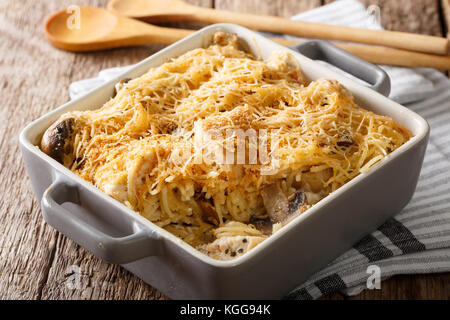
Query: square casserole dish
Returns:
{"type": "Point", "coordinates": [117, 234]}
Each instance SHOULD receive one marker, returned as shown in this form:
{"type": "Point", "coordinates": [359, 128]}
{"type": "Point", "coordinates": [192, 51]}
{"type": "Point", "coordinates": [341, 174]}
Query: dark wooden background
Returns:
{"type": "Point", "coordinates": [34, 79]}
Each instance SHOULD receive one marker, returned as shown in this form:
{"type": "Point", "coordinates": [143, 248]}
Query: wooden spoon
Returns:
{"type": "Point", "coordinates": [102, 29]}
{"type": "Point", "coordinates": [178, 10]}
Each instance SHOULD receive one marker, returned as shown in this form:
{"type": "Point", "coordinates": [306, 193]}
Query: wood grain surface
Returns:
{"type": "Point", "coordinates": [418, 16]}
{"type": "Point", "coordinates": [36, 260]}
{"type": "Point", "coordinates": [445, 5]}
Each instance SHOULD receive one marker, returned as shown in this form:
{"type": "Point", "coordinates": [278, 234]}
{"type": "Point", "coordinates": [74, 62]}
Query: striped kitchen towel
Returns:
{"type": "Point", "coordinates": [418, 239]}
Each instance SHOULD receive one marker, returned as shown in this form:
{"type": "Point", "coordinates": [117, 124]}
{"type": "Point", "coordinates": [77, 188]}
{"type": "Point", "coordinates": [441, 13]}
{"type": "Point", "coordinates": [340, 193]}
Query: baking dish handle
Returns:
{"type": "Point", "coordinates": [325, 51]}
{"type": "Point", "coordinates": [122, 250]}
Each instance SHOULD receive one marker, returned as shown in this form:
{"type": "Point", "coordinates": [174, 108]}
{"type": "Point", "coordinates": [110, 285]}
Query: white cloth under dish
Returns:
{"type": "Point", "coordinates": [418, 239]}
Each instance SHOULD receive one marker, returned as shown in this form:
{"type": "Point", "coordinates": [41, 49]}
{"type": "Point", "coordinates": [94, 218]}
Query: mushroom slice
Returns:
{"type": "Point", "coordinates": [55, 140]}
{"type": "Point", "coordinates": [297, 205]}
{"type": "Point", "coordinates": [264, 225]}
{"type": "Point", "coordinates": [276, 203]}
{"type": "Point", "coordinates": [280, 208]}
{"type": "Point", "coordinates": [345, 139]}
{"type": "Point", "coordinates": [296, 200]}
{"type": "Point", "coordinates": [209, 214]}
{"type": "Point", "coordinates": [119, 85]}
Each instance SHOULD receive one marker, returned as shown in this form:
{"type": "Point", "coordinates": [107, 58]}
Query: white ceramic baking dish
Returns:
{"type": "Point", "coordinates": [115, 233]}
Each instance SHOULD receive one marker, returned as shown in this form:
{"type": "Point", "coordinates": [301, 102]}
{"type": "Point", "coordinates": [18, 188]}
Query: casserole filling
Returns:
{"type": "Point", "coordinates": [223, 149]}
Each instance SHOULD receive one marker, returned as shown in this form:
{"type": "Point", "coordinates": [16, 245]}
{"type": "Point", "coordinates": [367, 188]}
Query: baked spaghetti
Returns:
{"type": "Point", "coordinates": [142, 146]}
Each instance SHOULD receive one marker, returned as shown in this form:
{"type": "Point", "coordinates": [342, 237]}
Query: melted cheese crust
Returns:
{"type": "Point", "coordinates": [133, 147]}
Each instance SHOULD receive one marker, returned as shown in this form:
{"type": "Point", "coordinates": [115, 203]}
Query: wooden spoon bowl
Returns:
{"type": "Point", "coordinates": [102, 29]}
{"type": "Point", "coordinates": [93, 19]}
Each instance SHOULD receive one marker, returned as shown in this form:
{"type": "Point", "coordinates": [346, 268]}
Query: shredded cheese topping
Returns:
{"type": "Point", "coordinates": [134, 147]}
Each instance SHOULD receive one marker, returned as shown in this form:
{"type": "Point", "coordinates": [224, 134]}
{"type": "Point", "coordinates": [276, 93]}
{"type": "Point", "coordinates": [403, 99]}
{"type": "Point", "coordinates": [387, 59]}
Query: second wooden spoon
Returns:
{"type": "Point", "coordinates": [101, 29]}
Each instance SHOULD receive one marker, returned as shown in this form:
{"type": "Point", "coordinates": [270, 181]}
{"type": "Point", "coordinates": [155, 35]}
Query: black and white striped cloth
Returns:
{"type": "Point", "coordinates": [418, 239]}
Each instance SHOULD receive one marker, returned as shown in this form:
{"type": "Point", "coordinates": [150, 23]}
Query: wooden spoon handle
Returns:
{"type": "Point", "coordinates": [388, 56]}
{"type": "Point", "coordinates": [377, 55]}
{"type": "Point", "coordinates": [166, 36]}
{"type": "Point", "coordinates": [400, 40]}
{"type": "Point", "coordinates": [150, 34]}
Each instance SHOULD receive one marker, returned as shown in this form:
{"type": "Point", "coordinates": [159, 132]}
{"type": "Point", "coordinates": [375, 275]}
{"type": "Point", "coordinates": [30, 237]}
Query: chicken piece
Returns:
{"type": "Point", "coordinates": [315, 181]}
{"type": "Point", "coordinates": [227, 248]}
{"type": "Point", "coordinates": [224, 39]}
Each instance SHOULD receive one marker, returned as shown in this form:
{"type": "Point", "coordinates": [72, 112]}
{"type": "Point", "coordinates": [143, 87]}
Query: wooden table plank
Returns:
{"type": "Point", "coordinates": [416, 16]}
{"type": "Point", "coordinates": [34, 258]}
{"type": "Point", "coordinates": [285, 8]}
{"type": "Point", "coordinates": [26, 243]}
{"type": "Point", "coordinates": [445, 4]}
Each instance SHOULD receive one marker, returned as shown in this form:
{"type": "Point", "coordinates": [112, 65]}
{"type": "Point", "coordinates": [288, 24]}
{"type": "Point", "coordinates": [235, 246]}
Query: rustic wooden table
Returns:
{"type": "Point", "coordinates": [35, 259]}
